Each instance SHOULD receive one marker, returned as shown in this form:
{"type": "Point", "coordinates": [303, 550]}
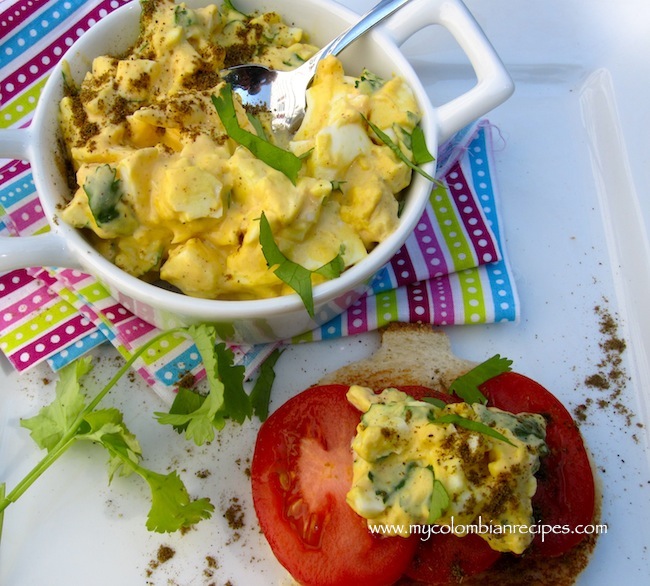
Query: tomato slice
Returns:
{"type": "Point", "coordinates": [301, 472]}
{"type": "Point", "coordinates": [447, 559]}
{"type": "Point", "coordinates": [565, 496]}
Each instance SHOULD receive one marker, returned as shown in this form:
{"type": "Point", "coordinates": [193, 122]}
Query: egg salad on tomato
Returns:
{"type": "Point", "coordinates": [165, 192]}
{"type": "Point", "coordinates": [417, 463]}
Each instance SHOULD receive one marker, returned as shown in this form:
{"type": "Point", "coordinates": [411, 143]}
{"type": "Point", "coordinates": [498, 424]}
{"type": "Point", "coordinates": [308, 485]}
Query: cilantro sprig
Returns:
{"type": "Point", "coordinates": [284, 161]}
{"type": "Point", "coordinates": [421, 154]}
{"type": "Point", "coordinates": [200, 416]}
{"type": "Point", "coordinates": [467, 385]}
{"type": "Point", "coordinates": [73, 417]}
{"type": "Point", "coordinates": [294, 275]}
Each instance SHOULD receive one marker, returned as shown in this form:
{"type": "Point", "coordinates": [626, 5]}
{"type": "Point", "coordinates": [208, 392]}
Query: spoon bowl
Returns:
{"type": "Point", "coordinates": [283, 93]}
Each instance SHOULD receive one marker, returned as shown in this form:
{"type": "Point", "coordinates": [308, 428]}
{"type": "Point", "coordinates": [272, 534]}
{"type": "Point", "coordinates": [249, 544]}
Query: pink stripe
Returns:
{"type": "Point", "coordinates": [130, 330]}
{"type": "Point", "coordinates": [51, 342]}
{"type": "Point", "coordinates": [73, 276]}
{"type": "Point", "coordinates": [40, 65]}
{"type": "Point", "coordinates": [116, 313]}
{"type": "Point", "coordinates": [402, 266]}
{"type": "Point", "coordinates": [442, 300]}
{"type": "Point", "coordinates": [43, 275]}
{"type": "Point", "coordinates": [10, 282]}
{"type": "Point", "coordinates": [32, 302]}
{"type": "Point", "coordinates": [357, 317]}
{"type": "Point", "coordinates": [13, 170]}
{"type": "Point", "coordinates": [146, 375]}
{"type": "Point", "coordinates": [27, 215]}
{"type": "Point", "coordinates": [477, 230]}
{"type": "Point", "coordinates": [18, 13]}
{"type": "Point", "coordinates": [417, 296]}
{"type": "Point", "coordinates": [430, 247]}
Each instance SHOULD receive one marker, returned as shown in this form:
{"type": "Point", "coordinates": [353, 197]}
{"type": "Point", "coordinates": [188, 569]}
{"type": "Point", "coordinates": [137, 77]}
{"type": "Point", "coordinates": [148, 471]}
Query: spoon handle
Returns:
{"type": "Point", "coordinates": [374, 16]}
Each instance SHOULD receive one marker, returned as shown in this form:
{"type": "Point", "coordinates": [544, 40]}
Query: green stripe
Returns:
{"type": "Point", "coordinates": [163, 346]}
{"type": "Point", "coordinates": [473, 296]}
{"type": "Point", "coordinates": [23, 105]}
{"type": "Point", "coordinates": [94, 292]}
{"type": "Point", "coordinates": [302, 338]}
{"type": "Point", "coordinates": [387, 308]}
{"type": "Point", "coordinates": [462, 256]}
{"type": "Point", "coordinates": [45, 320]}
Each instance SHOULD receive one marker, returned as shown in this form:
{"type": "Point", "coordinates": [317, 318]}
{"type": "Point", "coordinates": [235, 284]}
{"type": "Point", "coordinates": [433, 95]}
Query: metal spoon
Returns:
{"type": "Point", "coordinates": [283, 93]}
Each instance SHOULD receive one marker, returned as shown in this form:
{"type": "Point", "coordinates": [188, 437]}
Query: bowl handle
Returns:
{"type": "Point", "coordinates": [48, 249]}
{"type": "Point", "coordinates": [494, 85]}
{"type": "Point", "coordinates": [44, 250]}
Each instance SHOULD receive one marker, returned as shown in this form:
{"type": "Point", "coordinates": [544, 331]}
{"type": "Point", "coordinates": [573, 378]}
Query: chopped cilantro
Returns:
{"type": "Point", "coordinates": [294, 275]}
{"type": "Point", "coordinates": [104, 192]}
{"type": "Point", "coordinates": [275, 157]}
{"type": "Point", "coordinates": [439, 500]}
{"type": "Point", "coordinates": [467, 385]}
{"type": "Point", "coordinates": [398, 152]}
{"type": "Point", "coordinates": [469, 424]}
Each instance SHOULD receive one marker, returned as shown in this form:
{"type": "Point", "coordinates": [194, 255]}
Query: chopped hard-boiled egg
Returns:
{"type": "Point", "coordinates": [184, 199]}
{"type": "Point", "coordinates": [481, 459]}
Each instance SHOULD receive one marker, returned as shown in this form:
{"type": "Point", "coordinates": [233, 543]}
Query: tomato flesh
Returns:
{"type": "Point", "coordinates": [448, 559]}
{"type": "Point", "coordinates": [301, 472]}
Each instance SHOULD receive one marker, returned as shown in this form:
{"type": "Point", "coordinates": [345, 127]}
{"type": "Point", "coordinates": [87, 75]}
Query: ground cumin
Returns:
{"type": "Point", "coordinates": [610, 377]}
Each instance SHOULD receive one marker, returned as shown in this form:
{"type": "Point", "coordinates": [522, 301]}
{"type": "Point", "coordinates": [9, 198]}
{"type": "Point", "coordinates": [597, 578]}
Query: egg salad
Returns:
{"type": "Point", "coordinates": [459, 464]}
{"type": "Point", "coordinates": [162, 189]}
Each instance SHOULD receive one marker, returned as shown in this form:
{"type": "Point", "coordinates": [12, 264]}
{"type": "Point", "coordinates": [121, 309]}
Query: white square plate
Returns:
{"type": "Point", "coordinates": [573, 173]}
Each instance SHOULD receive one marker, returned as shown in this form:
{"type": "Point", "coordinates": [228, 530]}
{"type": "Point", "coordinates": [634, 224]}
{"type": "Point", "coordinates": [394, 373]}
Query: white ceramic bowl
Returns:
{"type": "Point", "coordinates": [265, 319]}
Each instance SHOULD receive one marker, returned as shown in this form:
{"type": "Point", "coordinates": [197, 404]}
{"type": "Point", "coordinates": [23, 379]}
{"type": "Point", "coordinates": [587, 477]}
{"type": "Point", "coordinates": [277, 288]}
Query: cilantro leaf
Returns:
{"type": "Point", "coordinates": [261, 393]}
{"type": "Point", "coordinates": [439, 501]}
{"type": "Point", "coordinates": [236, 403]}
{"type": "Point", "coordinates": [257, 125]}
{"type": "Point", "coordinates": [275, 157]}
{"type": "Point", "coordinates": [104, 192]}
{"type": "Point", "coordinates": [469, 424]}
{"type": "Point", "coordinates": [54, 420]}
{"type": "Point", "coordinates": [398, 152]}
{"type": "Point", "coordinates": [200, 424]}
{"type": "Point", "coordinates": [3, 492]}
{"type": "Point", "coordinates": [106, 427]}
{"type": "Point", "coordinates": [294, 275]}
{"type": "Point", "coordinates": [171, 506]}
{"type": "Point", "coordinates": [435, 402]}
{"type": "Point", "coordinates": [467, 385]}
{"type": "Point", "coordinates": [186, 401]}
{"type": "Point", "coordinates": [419, 148]}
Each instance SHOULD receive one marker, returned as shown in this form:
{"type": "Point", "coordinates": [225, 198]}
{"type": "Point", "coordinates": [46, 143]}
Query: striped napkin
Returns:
{"type": "Point", "coordinates": [452, 270]}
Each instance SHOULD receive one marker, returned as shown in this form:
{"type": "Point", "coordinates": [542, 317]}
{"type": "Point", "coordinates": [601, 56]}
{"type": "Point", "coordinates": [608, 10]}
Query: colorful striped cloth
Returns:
{"type": "Point", "coordinates": [452, 270]}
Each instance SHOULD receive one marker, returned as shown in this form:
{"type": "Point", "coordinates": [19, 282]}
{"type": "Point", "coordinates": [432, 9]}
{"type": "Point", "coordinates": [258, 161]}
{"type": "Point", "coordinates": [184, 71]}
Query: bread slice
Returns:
{"type": "Point", "coordinates": [410, 354]}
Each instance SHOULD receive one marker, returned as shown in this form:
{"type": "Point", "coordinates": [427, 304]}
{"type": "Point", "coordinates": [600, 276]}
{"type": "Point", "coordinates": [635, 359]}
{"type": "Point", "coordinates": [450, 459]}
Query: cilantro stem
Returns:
{"type": "Point", "coordinates": [51, 457]}
{"type": "Point", "coordinates": [3, 487]}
